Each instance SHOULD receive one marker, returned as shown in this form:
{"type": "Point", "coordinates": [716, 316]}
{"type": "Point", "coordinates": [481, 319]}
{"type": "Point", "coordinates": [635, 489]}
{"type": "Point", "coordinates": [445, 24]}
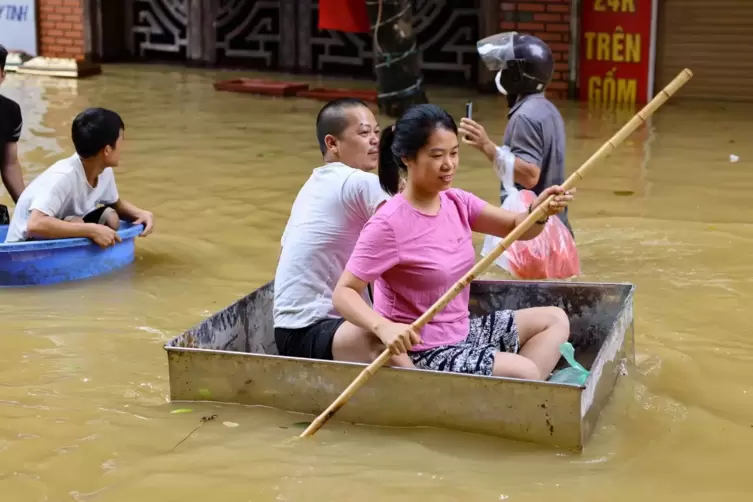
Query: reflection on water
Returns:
{"type": "Point", "coordinates": [84, 411]}
{"type": "Point", "coordinates": [46, 103]}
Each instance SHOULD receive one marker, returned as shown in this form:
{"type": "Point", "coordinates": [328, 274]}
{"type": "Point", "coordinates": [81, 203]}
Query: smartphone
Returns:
{"type": "Point", "coordinates": [469, 110]}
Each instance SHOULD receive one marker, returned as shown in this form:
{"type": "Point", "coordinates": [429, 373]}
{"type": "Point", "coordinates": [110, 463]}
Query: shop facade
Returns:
{"type": "Point", "coordinates": [605, 51]}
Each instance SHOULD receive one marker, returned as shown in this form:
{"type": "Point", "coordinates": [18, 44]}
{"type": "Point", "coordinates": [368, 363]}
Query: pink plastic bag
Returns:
{"type": "Point", "coordinates": [551, 255]}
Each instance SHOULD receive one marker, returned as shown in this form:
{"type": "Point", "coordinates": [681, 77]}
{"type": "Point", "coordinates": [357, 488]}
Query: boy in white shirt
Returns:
{"type": "Point", "coordinates": [325, 221]}
{"type": "Point", "coordinates": [62, 201]}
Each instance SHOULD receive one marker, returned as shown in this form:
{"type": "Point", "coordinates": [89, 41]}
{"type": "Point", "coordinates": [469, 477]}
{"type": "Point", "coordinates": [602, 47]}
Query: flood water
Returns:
{"type": "Point", "coordinates": [84, 409]}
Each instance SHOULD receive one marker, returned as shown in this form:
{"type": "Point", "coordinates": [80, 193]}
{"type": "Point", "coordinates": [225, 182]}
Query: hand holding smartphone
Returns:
{"type": "Point", "coordinates": [468, 112]}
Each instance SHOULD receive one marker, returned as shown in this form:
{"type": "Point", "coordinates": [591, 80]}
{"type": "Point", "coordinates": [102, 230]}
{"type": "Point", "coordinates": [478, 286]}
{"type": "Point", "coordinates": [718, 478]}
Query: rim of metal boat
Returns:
{"type": "Point", "coordinates": [130, 231]}
{"type": "Point", "coordinates": [444, 374]}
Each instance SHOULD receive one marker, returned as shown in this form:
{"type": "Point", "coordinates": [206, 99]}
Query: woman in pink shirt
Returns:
{"type": "Point", "coordinates": [419, 244]}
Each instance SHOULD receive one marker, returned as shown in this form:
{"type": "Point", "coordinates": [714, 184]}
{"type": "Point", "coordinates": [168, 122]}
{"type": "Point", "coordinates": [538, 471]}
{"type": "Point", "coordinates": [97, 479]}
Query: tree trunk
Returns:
{"type": "Point", "coordinates": [396, 62]}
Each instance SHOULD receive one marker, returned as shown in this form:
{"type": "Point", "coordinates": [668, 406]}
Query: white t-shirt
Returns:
{"type": "Point", "coordinates": [326, 219]}
{"type": "Point", "coordinates": [61, 191]}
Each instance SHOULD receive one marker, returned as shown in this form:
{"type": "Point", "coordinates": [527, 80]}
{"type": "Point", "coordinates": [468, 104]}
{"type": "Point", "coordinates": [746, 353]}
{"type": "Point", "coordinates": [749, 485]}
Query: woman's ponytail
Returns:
{"type": "Point", "coordinates": [389, 164]}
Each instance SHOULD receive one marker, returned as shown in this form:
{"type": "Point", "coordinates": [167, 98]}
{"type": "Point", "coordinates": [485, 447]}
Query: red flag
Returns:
{"type": "Point", "coordinates": [344, 15]}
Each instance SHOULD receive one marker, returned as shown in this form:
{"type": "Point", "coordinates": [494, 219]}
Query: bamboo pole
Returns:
{"type": "Point", "coordinates": [620, 136]}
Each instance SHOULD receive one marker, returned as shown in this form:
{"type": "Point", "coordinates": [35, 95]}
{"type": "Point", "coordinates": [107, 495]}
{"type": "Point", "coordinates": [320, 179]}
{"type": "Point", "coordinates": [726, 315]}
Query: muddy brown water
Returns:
{"type": "Point", "coordinates": [84, 410]}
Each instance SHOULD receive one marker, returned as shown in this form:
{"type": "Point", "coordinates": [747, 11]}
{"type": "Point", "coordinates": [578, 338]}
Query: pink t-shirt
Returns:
{"type": "Point", "coordinates": [416, 258]}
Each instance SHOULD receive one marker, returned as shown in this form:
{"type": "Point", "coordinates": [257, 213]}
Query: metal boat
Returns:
{"type": "Point", "coordinates": [231, 357]}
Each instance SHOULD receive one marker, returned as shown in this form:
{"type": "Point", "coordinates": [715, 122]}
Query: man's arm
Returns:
{"type": "Point", "coordinates": [526, 173]}
{"type": "Point", "coordinates": [134, 214]}
{"type": "Point", "coordinates": [126, 210]}
{"type": "Point", "coordinates": [43, 226]}
{"type": "Point", "coordinates": [526, 144]}
{"type": "Point", "coordinates": [11, 173]}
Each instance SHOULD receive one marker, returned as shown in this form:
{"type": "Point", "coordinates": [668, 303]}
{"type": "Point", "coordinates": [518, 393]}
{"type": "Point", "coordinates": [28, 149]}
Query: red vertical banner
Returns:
{"type": "Point", "coordinates": [344, 15]}
{"type": "Point", "coordinates": [617, 51]}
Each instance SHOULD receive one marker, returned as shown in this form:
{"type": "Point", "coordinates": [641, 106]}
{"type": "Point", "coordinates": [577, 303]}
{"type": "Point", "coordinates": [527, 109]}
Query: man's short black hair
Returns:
{"type": "Point", "coordinates": [95, 128]}
{"type": "Point", "coordinates": [3, 57]}
{"type": "Point", "coordinates": [331, 119]}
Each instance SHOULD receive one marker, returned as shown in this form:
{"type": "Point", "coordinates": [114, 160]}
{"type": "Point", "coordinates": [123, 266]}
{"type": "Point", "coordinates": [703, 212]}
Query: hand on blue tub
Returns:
{"type": "Point", "coordinates": [147, 219]}
{"type": "Point", "coordinates": [103, 236]}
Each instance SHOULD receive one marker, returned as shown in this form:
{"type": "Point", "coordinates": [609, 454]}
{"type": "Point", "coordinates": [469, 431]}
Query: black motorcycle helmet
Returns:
{"type": "Point", "coordinates": [524, 62]}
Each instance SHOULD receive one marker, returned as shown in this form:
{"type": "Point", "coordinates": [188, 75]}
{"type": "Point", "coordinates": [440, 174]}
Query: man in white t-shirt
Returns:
{"type": "Point", "coordinates": [325, 221]}
{"type": "Point", "coordinates": [62, 201]}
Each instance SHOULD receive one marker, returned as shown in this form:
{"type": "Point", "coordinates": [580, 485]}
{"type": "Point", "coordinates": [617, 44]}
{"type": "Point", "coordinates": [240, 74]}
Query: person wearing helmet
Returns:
{"type": "Point", "coordinates": [534, 140]}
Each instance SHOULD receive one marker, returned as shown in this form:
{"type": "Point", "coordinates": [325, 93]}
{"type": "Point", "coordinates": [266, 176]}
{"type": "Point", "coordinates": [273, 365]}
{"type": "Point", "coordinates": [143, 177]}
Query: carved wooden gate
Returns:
{"type": "Point", "coordinates": [159, 29]}
{"type": "Point", "coordinates": [447, 31]}
{"type": "Point", "coordinates": [256, 33]}
{"type": "Point", "coordinates": [283, 35]}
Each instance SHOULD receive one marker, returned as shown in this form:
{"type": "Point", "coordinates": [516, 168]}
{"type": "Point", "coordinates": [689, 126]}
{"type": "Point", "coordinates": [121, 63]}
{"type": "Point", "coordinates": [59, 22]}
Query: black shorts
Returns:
{"type": "Point", "coordinates": [312, 342]}
{"type": "Point", "coordinates": [96, 216]}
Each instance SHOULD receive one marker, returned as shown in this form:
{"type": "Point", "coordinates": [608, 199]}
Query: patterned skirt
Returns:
{"type": "Point", "coordinates": [487, 335]}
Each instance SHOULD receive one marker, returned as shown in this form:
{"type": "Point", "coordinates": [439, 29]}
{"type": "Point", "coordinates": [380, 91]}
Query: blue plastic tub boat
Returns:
{"type": "Point", "coordinates": [52, 261]}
